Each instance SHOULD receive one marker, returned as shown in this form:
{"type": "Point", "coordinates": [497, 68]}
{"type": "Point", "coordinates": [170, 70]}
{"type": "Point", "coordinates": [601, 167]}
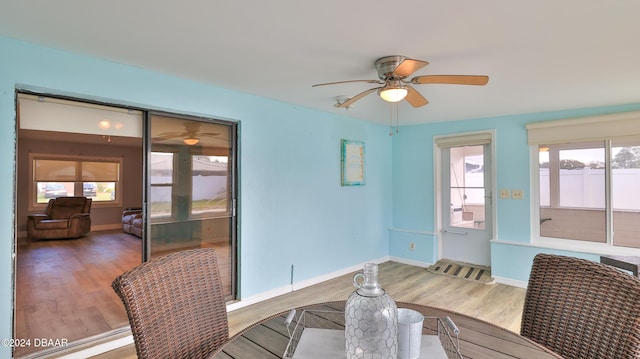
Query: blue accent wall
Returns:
{"type": "Point", "coordinates": [293, 210]}
{"type": "Point", "coordinates": [413, 188]}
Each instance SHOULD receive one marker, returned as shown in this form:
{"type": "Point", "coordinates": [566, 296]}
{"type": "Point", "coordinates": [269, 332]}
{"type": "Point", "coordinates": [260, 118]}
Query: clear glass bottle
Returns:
{"type": "Point", "coordinates": [371, 319]}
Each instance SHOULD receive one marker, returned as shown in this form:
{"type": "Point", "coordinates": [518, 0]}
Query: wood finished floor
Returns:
{"type": "Point", "coordinates": [496, 303]}
{"type": "Point", "coordinates": [63, 287]}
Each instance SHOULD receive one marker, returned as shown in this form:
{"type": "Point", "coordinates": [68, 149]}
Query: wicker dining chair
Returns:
{"type": "Point", "coordinates": [582, 309]}
{"type": "Point", "coordinates": [175, 305]}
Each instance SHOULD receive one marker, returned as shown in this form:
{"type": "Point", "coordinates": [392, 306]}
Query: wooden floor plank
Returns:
{"type": "Point", "coordinates": [496, 303]}
{"type": "Point", "coordinates": [264, 336]}
{"type": "Point", "coordinates": [248, 350]}
{"type": "Point", "coordinates": [63, 287]}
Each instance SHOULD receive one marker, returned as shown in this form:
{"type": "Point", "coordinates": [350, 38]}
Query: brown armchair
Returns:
{"type": "Point", "coordinates": [65, 217]}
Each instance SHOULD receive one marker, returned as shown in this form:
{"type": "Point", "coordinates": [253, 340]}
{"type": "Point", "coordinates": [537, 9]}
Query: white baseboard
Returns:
{"type": "Point", "coordinates": [325, 277]}
{"type": "Point", "coordinates": [100, 348]}
{"type": "Point", "coordinates": [259, 298]}
{"type": "Point", "coordinates": [511, 282]}
{"type": "Point", "coordinates": [412, 262]}
{"type": "Point", "coordinates": [115, 344]}
{"type": "Point", "coordinates": [299, 285]}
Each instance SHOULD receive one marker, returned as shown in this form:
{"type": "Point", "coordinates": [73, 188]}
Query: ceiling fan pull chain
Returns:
{"type": "Point", "coordinates": [397, 118]}
{"type": "Point", "coordinates": [390, 119]}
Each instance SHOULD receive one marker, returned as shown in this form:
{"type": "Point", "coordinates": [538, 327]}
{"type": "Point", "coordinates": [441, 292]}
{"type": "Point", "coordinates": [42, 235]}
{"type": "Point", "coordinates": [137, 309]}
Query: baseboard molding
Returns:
{"type": "Point", "coordinates": [323, 278]}
{"type": "Point", "coordinates": [511, 282]}
{"type": "Point", "coordinates": [101, 227]}
{"type": "Point", "coordinates": [87, 347]}
{"type": "Point", "coordinates": [124, 341]}
{"type": "Point", "coordinates": [257, 298]}
{"type": "Point", "coordinates": [412, 262]}
{"type": "Point", "coordinates": [100, 348]}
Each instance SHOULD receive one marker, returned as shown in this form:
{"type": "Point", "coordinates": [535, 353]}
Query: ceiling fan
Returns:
{"type": "Point", "coordinates": [191, 136]}
{"type": "Point", "coordinates": [393, 73]}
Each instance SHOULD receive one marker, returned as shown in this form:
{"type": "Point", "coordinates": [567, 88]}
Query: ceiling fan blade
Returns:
{"type": "Point", "coordinates": [211, 134]}
{"type": "Point", "coordinates": [451, 79]}
{"type": "Point", "coordinates": [414, 98]}
{"type": "Point", "coordinates": [168, 135]}
{"type": "Point", "coordinates": [348, 81]}
{"type": "Point", "coordinates": [355, 98]}
{"type": "Point", "coordinates": [409, 66]}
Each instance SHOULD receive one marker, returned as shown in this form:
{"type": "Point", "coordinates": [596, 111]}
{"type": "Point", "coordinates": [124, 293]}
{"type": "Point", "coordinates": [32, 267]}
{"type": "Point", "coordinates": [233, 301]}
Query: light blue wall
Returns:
{"type": "Point", "coordinates": [292, 207]}
{"type": "Point", "coordinates": [413, 183]}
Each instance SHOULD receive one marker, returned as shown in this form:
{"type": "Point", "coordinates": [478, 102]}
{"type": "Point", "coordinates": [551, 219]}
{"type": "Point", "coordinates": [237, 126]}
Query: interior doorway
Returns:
{"type": "Point", "coordinates": [62, 286]}
{"type": "Point", "coordinates": [67, 148]}
{"type": "Point", "coordinates": [466, 203]}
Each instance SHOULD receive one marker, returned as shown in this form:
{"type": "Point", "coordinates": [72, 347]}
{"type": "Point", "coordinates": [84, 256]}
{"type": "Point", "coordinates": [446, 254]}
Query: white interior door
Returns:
{"type": "Point", "coordinates": [466, 203]}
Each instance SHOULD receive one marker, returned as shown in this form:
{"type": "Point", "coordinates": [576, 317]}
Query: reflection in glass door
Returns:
{"type": "Point", "coordinates": [191, 194]}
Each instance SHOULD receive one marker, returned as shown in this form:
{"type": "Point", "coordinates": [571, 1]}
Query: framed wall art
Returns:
{"type": "Point", "coordinates": [352, 163]}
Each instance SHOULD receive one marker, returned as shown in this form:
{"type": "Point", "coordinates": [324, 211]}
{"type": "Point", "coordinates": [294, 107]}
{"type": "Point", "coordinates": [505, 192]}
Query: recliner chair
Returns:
{"type": "Point", "coordinates": [65, 217]}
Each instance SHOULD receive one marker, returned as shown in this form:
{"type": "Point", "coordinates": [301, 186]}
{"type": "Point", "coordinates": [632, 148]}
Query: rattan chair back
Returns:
{"type": "Point", "coordinates": [175, 304]}
{"type": "Point", "coordinates": [582, 309]}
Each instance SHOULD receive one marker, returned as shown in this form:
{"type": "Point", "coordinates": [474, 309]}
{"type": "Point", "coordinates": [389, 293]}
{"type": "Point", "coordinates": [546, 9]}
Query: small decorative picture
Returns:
{"type": "Point", "coordinates": [352, 163]}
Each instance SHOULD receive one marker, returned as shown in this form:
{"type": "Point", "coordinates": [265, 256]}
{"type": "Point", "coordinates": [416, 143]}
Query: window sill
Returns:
{"type": "Point", "coordinates": [584, 247]}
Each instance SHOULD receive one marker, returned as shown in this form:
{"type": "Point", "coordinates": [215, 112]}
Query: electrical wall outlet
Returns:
{"type": "Point", "coordinates": [516, 194]}
{"type": "Point", "coordinates": [412, 246]}
{"type": "Point", "coordinates": [505, 194]}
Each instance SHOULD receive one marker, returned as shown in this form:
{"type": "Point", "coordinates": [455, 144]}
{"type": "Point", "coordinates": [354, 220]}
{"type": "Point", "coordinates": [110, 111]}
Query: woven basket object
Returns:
{"type": "Point", "coordinates": [582, 309]}
{"type": "Point", "coordinates": [175, 304]}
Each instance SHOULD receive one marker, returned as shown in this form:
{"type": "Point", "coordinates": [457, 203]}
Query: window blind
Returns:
{"type": "Point", "coordinates": [472, 139]}
{"type": "Point", "coordinates": [594, 128]}
{"type": "Point", "coordinates": [54, 171]}
{"type": "Point", "coordinates": [75, 171]}
{"type": "Point", "coordinates": [100, 171]}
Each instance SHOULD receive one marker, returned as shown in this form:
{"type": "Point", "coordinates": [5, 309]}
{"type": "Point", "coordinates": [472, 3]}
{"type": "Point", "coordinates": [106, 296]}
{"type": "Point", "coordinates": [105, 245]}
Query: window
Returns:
{"type": "Point", "coordinates": [209, 185]}
{"type": "Point", "coordinates": [625, 196]}
{"type": "Point", "coordinates": [162, 178]}
{"type": "Point", "coordinates": [467, 186]}
{"type": "Point", "coordinates": [210, 190]}
{"type": "Point", "coordinates": [588, 176]}
{"type": "Point", "coordinates": [74, 176]}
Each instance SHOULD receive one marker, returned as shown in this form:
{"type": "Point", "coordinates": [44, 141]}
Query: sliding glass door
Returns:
{"type": "Point", "coordinates": [191, 194]}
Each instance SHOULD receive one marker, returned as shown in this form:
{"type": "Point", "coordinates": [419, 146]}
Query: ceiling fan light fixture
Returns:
{"type": "Point", "coordinates": [190, 141]}
{"type": "Point", "coordinates": [393, 94]}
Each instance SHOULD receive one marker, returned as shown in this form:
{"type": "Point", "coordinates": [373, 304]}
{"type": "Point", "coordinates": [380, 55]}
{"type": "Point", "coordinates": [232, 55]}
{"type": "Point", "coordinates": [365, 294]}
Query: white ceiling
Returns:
{"type": "Point", "coordinates": [541, 55]}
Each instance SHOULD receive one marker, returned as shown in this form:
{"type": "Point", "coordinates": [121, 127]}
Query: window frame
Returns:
{"type": "Point", "coordinates": [172, 185]}
{"type": "Point", "coordinates": [176, 156]}
{"type": "Point", "coordinates": [228, 197]}
{"type": "Point", "coordinates": [616, 128]}
{"type": "Point", "coordinates": [33, 193]}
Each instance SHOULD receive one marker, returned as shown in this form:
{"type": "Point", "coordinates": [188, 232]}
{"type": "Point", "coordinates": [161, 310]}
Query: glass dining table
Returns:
{"type": "Point", "coordinates": [269, 338]}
